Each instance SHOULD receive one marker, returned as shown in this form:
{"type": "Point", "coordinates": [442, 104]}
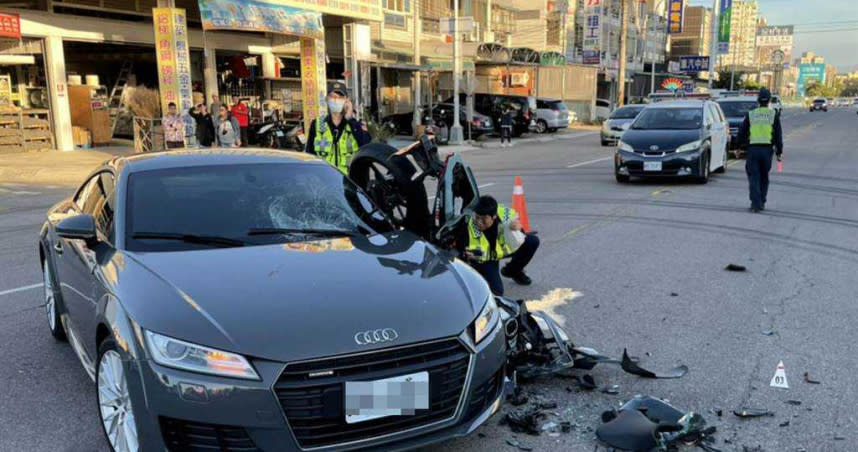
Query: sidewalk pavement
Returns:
{"type": "Point", "coordinates": [543, 138]}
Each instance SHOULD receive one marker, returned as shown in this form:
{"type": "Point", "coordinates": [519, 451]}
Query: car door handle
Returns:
{"type": "Point", "coordinates": [58, 247]}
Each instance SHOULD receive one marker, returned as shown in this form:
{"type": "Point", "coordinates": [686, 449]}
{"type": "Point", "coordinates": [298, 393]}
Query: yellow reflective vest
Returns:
{"type": "Point", "coordinates": [762, 122]}
{"type": "Point", "coordinates": [346, 147]}
{"type": "Point", "coordinates": [477, 241]}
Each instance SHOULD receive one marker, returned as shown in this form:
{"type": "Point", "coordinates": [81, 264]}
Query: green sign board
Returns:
{"type": "Point", "coordinates": [725, 16]}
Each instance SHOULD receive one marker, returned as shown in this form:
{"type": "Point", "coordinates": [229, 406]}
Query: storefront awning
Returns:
{"type": "Point", "coordinates": [434, 55]}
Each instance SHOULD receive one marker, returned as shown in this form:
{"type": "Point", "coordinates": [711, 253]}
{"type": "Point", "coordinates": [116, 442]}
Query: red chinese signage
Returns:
{"type": "Point", "coordinates": [10, 25]}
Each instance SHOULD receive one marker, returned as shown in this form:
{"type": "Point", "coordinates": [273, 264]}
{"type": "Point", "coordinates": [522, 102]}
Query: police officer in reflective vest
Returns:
{"type": "Point", "coordinates": [761, 136]}
{"type": "Point", "coordinates": [339, 135]}
{"type": "Point", "coordinates": [483, 243]}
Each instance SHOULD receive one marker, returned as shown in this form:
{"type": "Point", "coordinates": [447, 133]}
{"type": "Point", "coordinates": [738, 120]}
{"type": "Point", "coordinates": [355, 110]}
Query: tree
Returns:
{"type": "Point", "coordinates": [850, 88]}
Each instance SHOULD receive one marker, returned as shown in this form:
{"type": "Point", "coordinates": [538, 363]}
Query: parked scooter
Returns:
{"type": "Point", "coordinates": [286, 135]}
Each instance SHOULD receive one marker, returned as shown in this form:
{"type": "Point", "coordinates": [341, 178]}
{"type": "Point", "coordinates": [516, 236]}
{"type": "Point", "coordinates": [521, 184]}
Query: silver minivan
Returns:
{"type": "Point", "coordinates": [551, 114]}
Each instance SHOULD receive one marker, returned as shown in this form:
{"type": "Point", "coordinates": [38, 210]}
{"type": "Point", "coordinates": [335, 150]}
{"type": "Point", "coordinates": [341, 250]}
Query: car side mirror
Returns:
{"type": "Point", "coordinates": [626, 126]}
{"type": "Point", "coordinates": [78, 227]}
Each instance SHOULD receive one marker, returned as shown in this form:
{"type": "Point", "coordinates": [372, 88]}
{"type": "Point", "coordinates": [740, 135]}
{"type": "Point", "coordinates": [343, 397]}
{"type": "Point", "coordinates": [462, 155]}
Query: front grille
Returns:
{"type": "Point", "coordinates": [186, 436]}
{"type": "Point", "coordinates": [314, 406]}
{"type": "Point", "coordinates": [483, 395]}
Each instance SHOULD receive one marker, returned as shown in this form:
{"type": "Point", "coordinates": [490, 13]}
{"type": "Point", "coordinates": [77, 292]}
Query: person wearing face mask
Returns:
{"type": "Point", "coordinates": [339, 135]}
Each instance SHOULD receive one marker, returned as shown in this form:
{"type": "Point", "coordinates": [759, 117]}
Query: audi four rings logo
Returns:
{"type": "Point", "coordinates": [653, 147]}
{"type": "Point", "coordinates": [376, 336]}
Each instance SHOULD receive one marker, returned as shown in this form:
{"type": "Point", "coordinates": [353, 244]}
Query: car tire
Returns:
{"type": "Point", "coordinates": [541, 126]}
{"type": "Point", "coordinates": [605, 143]}
{"type": "Point", "coordinates": [112, 381]}
{"type": "Point", "coordinates": [53, 305]}
{"type": "Point", "coordinates": [621, 178]}
{"type": "Point", "coordinates": [703, 178]}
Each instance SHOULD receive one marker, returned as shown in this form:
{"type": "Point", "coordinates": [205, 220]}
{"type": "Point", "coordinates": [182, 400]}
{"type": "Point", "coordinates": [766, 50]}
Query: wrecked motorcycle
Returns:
{"type": "Point", "coordinates": [398, 181]}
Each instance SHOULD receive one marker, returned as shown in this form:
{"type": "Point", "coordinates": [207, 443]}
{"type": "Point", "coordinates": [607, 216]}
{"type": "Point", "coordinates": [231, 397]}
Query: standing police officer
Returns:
{"type": "Point", "coordinates": [760, 135]}
{"type": "Point", "coordinates": [339, 135]}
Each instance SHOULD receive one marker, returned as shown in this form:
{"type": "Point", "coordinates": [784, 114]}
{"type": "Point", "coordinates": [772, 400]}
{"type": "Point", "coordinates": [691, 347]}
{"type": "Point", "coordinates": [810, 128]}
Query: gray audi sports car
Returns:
{"type": "Point", "coordinates": [237, 300]}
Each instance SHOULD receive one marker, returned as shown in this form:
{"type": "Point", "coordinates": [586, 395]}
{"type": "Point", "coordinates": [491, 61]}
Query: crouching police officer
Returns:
{"type": "Point", "coordinates": [339, 135]}
{"type": "Point", "coordinates": [483, 243]}
{"type": "Point", "coordinates": [760, 135]}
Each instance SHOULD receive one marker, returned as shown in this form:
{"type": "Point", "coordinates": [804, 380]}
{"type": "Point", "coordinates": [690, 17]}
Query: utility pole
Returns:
{"type": "Point", "coordinates": [713, 44]}
{"type": "Point", "coordinates": [456, 133]}
{"type": "Point", "coordinates": [621, 72]}
{"type": "Point", "coordinates": [415, 38]}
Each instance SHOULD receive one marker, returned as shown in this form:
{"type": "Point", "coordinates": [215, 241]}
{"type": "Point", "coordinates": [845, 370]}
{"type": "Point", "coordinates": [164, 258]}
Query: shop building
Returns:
{"type": "Point", "coordinates": [103, 47]}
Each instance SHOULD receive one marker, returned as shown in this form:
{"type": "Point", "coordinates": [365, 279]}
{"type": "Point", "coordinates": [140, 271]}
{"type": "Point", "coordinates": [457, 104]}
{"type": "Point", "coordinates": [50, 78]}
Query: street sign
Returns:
{"type": "Point", "coordinates": [674, 16]}
{"type": "Point", "coordinates": [694, 63]}
{"type": "Point", "coordinates": [592, 40]}
{"type": "Point", "coordinates": [688, 86]}
{"type": "Point", "coordinates": [10, 25]}
{"type": "Point", "coordinates": [724, 18]}
{"type": "Point", "coordinates": [466, 25]}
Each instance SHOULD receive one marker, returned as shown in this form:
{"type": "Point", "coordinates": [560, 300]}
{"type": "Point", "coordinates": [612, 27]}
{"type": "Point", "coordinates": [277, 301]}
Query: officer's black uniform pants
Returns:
{"type": "Point", "coordinates": [758, 163]}
{"type": "Point", "coordinates": [522, 256]}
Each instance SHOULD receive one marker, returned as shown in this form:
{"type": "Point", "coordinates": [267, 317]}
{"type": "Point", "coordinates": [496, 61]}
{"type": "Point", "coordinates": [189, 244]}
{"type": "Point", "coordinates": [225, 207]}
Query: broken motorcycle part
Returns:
{"type": "Point", "coordinates": [633, 368]}
{"type": "Point", "coordinates": [645, 423]}
{"type": "Point", "coordinates": [735, 268]}
{"type": "Point", "coordinates": [524, 420]}
{"type": "Point", "coordinates": [807, 379]}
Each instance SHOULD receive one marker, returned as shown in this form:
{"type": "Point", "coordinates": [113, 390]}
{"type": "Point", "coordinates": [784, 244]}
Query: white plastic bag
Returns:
{"type": "Point", "coordinates": [513, 238]}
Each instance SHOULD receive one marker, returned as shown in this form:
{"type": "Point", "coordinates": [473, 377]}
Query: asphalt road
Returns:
{"type": "Point", "coordinates": [612, 258]}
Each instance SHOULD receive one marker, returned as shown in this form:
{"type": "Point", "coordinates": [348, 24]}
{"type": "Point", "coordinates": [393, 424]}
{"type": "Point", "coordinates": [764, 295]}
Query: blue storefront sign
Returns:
{"type": "Point", "coordinates": [694, 63]}
{"type": "Point", "coordinates": [674, 16]}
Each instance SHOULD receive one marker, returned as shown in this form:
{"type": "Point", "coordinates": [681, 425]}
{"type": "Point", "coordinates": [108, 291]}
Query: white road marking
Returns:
{"type": "Point", "coordinates": [478, 186]}
{"type": "Point", "coordinates": [20, 289]}
{"type": "Point", "coordinates": [19, 192]}
{"type": "Point", "coordinates": [588, 162]}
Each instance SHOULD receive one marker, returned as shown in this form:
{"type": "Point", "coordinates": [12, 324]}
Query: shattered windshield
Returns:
{"type": "Point", "coordinates": [244, 205]}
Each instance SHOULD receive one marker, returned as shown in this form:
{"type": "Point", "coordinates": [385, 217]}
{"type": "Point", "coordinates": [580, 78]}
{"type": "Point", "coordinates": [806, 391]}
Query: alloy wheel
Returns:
{"type": "Point", "coordinates": [114, 404]}
{"type": "Point", "coordinates": [50, 301]}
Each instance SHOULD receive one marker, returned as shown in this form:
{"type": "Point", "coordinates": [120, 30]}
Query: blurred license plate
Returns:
{"type": "Point", "coordinates": [652, 166]}
{"type": "Point", "coordinates": [397, 396]}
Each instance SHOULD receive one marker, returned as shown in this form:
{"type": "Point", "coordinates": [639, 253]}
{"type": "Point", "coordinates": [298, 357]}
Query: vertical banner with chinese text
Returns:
{"type": "Point", "coordinates": [183, 60]}
{"type": "Point", "coordinates": [168, 85]}
{"type": "Point", "coordinates": [591, 49]}
{"type": "Point", "coordinates": [313, 79]}
{"type": "Point", "coordinates": [674, 16]}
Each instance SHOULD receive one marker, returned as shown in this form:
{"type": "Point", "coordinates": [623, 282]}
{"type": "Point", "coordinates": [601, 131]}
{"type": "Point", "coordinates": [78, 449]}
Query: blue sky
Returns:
{"type": "Point", "coordinates": [839, 48]}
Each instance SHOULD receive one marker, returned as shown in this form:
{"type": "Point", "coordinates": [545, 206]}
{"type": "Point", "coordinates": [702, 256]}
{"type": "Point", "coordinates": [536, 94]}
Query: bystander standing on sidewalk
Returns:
{"type": "Point", "coordinates": [227, 130]}
{"type": "Point", "coordinates": [174, 128]}
{"type": "Point", "coordinates": [205, 131]}
{"type": "Point", "coordinates": [506, 128]}
{"type": "Point", "coordinates": [242, 114]}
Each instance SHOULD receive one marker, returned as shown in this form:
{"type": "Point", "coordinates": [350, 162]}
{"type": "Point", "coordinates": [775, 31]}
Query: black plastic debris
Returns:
{"type": "Point", "coordinates": [633, 368]}
{"type": "Point", "coordinates": [784, 424]}
{"type": "Point", "coordinates": [646, 423]}
{"type": "Point", "coordinates": [585, 382]}
{"type": "Point", "coordinates": [518, 398]}
{"type": "Point", "coordinates": [793, 402]}
{"type": "Point", "coordinates": [547, 405]}
{"type": "Point", "coordinates": [839, 438]}
{"type": "Point", "coordinates": [808, 379]}
{"type": "Point", "coordinates": [769, 333]}
{"type": "Point", "coordinates": [752, 412]}
{"type": "Point", "coordinates": [674, 294]}
{"type": "Point", "coordinates": [524, 420]}
{"type": "Point", "coordinates": [735, 268]}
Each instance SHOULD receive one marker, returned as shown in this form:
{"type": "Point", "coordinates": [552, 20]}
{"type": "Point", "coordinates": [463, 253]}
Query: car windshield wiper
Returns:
{"type": "Point", "coordinates": [304, 231]}
{"type": "Point", "coordinates": [189, 238]}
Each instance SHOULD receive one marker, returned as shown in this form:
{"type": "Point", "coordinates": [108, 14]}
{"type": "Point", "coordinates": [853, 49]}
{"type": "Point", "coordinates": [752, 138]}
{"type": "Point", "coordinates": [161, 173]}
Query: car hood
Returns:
{"type": "Point", "coordinates": [304, 300]}
{"type": "Point", "coordinates": [664, 139]}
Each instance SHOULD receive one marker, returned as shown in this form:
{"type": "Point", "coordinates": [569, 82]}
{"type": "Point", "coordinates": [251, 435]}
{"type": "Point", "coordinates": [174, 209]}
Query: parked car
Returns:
{"type": "Point", "coordinates": [603, 109]}
{"type": "Point", "coordinates": [819, 104]}
{"type": "Point", "coordinates": [675, 138]}
{"type": "Point", "coordinates": [493, 105]}
{"type": "Point", "coordinates": [616, 124]}
{"type": "Point", "coordinates": [442, 115]}
{"type": "Point", "coordinates": [736, 109]}
{"type": "Point", "coordinates": [242, 300]}
{"type": "Point", "coordinates": [551, 114]}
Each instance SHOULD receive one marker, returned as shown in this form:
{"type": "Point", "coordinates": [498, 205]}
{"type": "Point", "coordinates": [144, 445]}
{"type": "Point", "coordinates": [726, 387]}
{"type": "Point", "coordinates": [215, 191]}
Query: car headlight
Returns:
{"type": "Point", "coordinates": [178, 354]}
{"type": "Point", "coordinates": [486, 321]}
{"type": "Point", "coordinates": [623, 146]}
{"type": "Point", "coordinates": [693, 146]}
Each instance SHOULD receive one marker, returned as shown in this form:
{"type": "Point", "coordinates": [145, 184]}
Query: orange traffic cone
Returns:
{"type": "Point", "coordinates": [520, 205]}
